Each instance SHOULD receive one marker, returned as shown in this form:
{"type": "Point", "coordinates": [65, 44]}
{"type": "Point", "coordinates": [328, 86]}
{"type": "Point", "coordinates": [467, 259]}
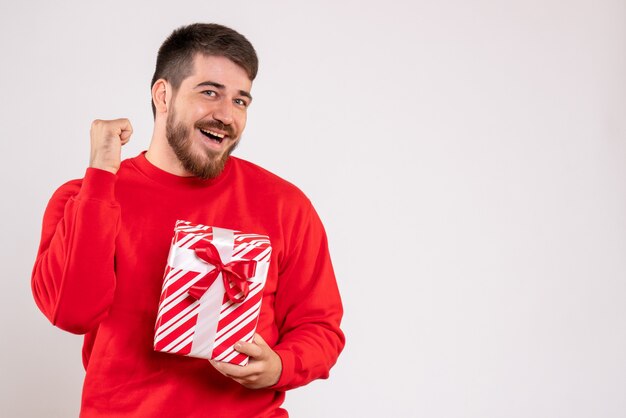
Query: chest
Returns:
{"type": "Point", "coordinates": [148, 217]}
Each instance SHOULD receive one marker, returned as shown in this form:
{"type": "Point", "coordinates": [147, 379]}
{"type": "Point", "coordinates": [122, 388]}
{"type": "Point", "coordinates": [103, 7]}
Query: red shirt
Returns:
{"type": "Point", "coordinates": [99, 271]}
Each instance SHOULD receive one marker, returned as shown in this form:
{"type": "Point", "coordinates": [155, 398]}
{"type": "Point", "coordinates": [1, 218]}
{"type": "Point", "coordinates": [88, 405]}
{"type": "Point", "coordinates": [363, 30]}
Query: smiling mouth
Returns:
{"type": "Point", "coordinates": [214, 136]}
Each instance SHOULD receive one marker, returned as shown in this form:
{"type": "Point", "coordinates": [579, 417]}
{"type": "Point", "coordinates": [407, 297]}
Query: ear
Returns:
{"type": "Point", "coordinates": [161, 95]}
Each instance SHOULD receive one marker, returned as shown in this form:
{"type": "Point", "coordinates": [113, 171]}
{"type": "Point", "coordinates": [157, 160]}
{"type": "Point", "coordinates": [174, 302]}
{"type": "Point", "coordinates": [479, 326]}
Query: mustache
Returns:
{"type": "Point", "coordinates": [217, 125]}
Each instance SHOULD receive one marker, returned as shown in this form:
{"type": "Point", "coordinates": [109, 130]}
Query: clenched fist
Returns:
{"type": "Point", "coordinates": [107, 138]}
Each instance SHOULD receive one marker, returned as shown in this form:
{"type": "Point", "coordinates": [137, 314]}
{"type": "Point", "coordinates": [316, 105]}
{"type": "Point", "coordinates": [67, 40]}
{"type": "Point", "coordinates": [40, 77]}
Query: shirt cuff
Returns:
{"type": "Point", "coordinates": [288, 360]}
{"type": "Point", "coordinates": [98, 184]}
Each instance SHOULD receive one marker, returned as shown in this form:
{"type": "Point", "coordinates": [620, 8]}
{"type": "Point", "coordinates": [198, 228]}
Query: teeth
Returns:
{"type": "Point", "coordinates": [221, 136]}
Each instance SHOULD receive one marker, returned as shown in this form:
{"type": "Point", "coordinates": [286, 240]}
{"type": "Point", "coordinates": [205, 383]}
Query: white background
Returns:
{"type": "Point", "coordinates": [466, 157]}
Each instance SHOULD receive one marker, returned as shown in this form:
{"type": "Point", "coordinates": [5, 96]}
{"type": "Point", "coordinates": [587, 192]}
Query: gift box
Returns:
{"type": "Point", "coordinates": [212, 292]}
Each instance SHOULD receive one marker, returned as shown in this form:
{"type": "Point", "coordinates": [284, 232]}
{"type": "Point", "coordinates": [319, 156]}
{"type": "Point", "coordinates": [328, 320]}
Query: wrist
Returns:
{"type": "Point", "coordinates": [111, 168]}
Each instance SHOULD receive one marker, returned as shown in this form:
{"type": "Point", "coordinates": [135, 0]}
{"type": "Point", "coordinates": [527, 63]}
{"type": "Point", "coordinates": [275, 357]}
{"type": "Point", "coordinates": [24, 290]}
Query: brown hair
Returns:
{"type": "Point", "coordinates": [176, 54]}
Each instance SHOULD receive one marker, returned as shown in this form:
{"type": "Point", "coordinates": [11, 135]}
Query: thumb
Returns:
{"type": "Point", "coordinates": [125, 136]}
{"type": "Point", "coordinates": [259, 340]}
{"type": "Point", "coordinates": [125, 129]}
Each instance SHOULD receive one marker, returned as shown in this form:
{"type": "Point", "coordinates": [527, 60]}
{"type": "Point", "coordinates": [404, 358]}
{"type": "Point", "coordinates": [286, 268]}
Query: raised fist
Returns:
{"type": "Point", "coordinates": [107, 138]}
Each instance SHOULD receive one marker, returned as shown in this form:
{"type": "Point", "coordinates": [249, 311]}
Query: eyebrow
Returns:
{"type": "Point", "coordinates": [222, 87]}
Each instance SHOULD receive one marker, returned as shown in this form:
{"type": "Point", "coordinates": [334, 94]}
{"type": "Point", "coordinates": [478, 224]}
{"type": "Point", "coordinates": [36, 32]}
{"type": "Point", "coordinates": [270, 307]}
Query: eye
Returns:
{"type": "Point", "coordinates": [209, 93]}
{"type": "Point", "coordinates": [241, 102]}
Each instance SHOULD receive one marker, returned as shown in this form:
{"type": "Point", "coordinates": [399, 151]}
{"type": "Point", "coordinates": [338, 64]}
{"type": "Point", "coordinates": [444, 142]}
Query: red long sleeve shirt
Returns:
{"type": "Point", "coordinates": [99, 271]}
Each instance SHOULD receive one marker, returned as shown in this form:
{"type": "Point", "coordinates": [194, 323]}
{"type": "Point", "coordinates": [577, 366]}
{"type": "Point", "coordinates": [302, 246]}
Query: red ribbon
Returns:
{"type": "Point", "coordinates": [234, 274]}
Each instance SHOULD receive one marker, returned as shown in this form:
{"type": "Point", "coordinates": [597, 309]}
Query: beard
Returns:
{"type": "Point", "coordinates": [204, 163]}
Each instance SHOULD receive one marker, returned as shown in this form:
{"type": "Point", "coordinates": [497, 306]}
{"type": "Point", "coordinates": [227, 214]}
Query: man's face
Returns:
{"type": "Point", "coordinates": [208, 115]}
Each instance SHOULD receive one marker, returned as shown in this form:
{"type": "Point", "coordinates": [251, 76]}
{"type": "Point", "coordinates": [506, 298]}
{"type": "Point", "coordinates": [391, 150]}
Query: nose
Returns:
{"type": "Point", "coordinates": [224, 112]}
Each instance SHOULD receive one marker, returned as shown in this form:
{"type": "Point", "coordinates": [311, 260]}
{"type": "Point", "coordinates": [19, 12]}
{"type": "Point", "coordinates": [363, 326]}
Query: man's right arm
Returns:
{"type": "Point", "coordinates": [73, 279]}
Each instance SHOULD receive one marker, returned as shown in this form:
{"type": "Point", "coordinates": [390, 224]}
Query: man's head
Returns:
{"type": "Point", "coordinates": [201, 89]}
{"type": "Point", "coordinates": [176, 54]}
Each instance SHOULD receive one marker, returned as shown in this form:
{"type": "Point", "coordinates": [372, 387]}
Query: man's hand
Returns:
{"type": "Point", "coordinates": [107, 138]}
{"type": "Point", "coordinates": [263, 369]}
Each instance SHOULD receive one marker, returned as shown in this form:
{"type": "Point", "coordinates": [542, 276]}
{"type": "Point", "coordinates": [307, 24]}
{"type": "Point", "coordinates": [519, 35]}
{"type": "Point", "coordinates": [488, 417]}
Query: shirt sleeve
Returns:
{"type": "Point", "coordinates": [73, 279]}
{"type": "Point", "coordinates": [308, 309]}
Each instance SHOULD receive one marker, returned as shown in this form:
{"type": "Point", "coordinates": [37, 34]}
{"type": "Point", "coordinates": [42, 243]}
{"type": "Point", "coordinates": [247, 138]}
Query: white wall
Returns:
{"type": "Point", "coordinates": [467, 158]}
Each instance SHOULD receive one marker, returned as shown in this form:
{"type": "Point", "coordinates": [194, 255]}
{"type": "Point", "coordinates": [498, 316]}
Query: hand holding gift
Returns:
{"type": "Point", "coordinates": [263, 368]}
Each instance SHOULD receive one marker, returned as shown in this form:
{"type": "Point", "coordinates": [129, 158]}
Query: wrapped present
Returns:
{"type": "Point", "coordinates": [212, 291]}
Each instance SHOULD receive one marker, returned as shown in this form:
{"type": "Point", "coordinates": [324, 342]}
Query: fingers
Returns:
{"type": "Point", "coordinates": [250, 376]}
{"type": "Point", "coordinates": [126, 130]}
{"type": "Point", "coordinates": [263, 369]}
{"type": "Point", "coordinates": [253, 367]}
{"type": "Point", "coordinates": [103, 130]}
{"type": "Point", "coordinates": [259, 340]}
{"type": "Point", "coordinates": [232, 370]}
{"type": "Point", "coordinates": [249, 349]}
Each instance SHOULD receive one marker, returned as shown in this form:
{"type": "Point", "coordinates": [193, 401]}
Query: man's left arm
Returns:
{"type": "Point", "coordinates": [308, 313]}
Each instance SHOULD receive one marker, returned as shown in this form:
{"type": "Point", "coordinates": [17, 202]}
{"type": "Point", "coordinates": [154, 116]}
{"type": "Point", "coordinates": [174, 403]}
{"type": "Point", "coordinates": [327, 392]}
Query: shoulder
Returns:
{"type": "Point", "coordinates": [259, 179]}
{"type": "Point", "coordinates": [58, 200]}
{"type": "Point", "coordinates": [67, 190]}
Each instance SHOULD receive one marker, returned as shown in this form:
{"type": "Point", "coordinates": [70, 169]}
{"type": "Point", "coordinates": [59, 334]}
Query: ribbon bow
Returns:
{"type": "Point", "coordinates": [234, 274]}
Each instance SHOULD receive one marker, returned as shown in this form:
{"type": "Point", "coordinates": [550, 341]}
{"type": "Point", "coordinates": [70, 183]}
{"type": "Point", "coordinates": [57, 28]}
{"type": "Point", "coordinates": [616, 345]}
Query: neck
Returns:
{"type": "Point", "coordinates": [161, 155]}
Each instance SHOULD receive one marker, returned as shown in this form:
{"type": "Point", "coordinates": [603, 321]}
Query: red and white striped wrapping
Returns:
{"type": "Point", "coordinates": [209, 327]}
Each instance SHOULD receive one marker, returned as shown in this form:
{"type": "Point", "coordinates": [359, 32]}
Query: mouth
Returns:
{"type": "Point", "coordinates": [213, 136]}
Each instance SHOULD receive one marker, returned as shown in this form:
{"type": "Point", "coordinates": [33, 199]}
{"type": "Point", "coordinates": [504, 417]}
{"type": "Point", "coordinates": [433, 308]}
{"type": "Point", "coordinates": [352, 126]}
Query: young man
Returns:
{"type": "Point", "coordinates": [106, 237]}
